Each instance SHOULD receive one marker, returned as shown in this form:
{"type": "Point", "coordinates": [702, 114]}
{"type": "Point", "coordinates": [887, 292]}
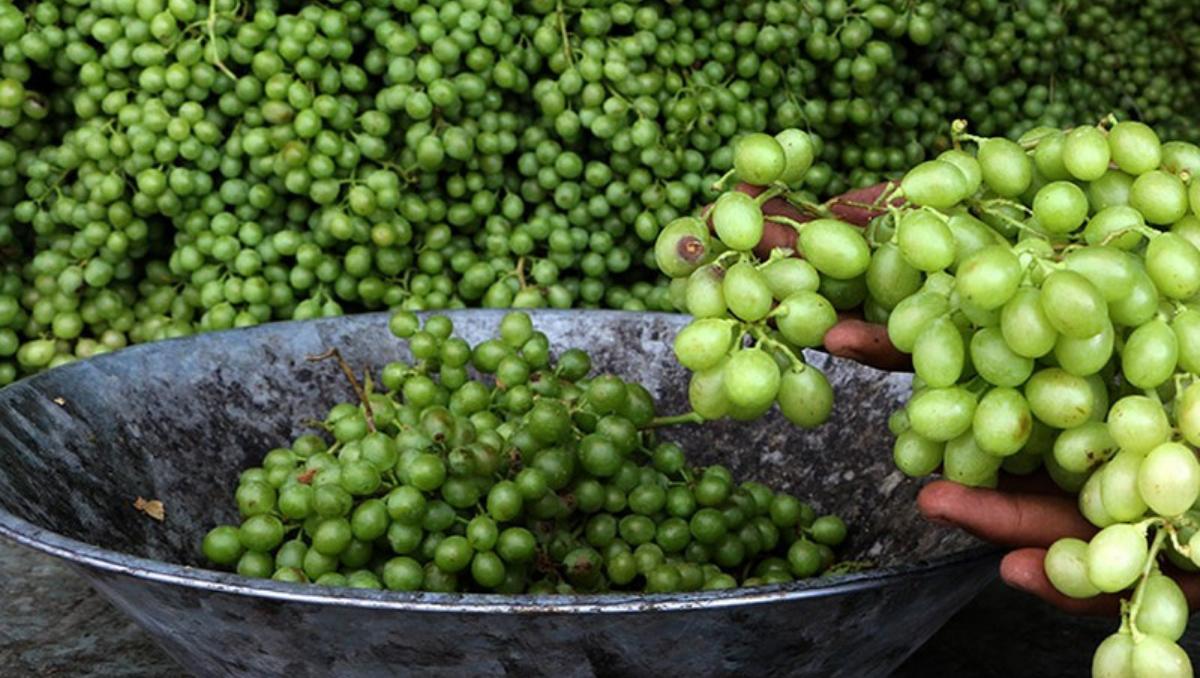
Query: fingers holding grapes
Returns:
{"type": "Point", "coordinates": [757, 307]}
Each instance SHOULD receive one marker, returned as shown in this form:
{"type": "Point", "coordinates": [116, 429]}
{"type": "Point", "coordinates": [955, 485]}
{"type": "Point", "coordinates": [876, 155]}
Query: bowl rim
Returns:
{"type": "Point", "coordinates": [107, 561]}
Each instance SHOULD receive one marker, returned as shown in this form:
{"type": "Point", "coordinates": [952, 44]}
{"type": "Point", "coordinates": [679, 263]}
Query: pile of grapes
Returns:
{"type": "Point", "coordinates": [1045, 289]}
{"type": "Point", "coordinates": [173, 166]}
{"type": "Point", "coordinates": [541, 479]}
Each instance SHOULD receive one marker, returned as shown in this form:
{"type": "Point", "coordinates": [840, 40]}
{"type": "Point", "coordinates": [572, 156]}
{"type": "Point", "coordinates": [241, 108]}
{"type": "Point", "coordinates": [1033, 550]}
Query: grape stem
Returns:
{"type": "Point", "coordinates": [1136, 601]}
{"type": "Point", "coordinates": [766, 195]}
{"type": "Point", "coordinates": [212, 40]}
{"type": "Point", "coordinates": [787, 221]}
{"type": "Point", "coordinates": [719, 184]}
{"type": "Point", "coordinates": [346, 370]}
{"type": "Point", "coordinates": [692, 417]}
{"type": "Point", "coordinates": [1182, 549]}
{"type": "Point", "coordinates": [765, 340]}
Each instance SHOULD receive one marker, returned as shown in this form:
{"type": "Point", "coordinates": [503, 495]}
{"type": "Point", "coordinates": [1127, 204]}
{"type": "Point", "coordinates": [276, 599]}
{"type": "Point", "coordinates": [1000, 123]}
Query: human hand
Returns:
{"type": "Point", "coordinates": [852, 337]}
{"type": "Point", "coordinates": [1028, 514]}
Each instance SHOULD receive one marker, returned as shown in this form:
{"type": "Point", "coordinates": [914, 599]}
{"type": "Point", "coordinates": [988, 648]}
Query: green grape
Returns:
{"type": "Point", "coordinates": [995, 361]}
{"type": "Point", "coordinates": [965, 463]}
{"type": "Point", "coordinates": [941, 414]}
{"type": "Point", "coordinates": [803, 318]}
{"type": "Point", "coordinates": [1135, 147]}
{"type": "Point", "coordinates": [1119, 487]}
{"type": "Point", "coordinates": [789, 275]}
{"type": "Point", "coordinates": [912, 315]}
{"type": "Point", "coordinates": [751, 378]}
{"type": "Point", "coordinates": [746, 292]}
{"type": "Point", "coordinates": [1157, 656]}
{"type": "Point", "coordinates": [1086, 153]}
{"type": "Point", "coordinates": [1025, 325]}
{"type": "Point", "coordinates": [1160, 196]}
{"type": "Point", "coordinates": [1006, 169]}
{"type": "Point", "coordinates": [1091, 503]}
{"type": "Point", "coordinates": [1138, 423]}
{"type": "Point", "coordinates": [939, 354]}
{"type": "Point", "coordinates": [1081, 448]}
{"type": "Point", "coordinates": [1173, 264]}
{"type": "Point", "coordinates": [1115, 557]}
{"type": "Point", "coordinates": [705, 295]}
{"type": "Point", "coordinates": [1150, 355]}
{"type": "Point", "coordinates": [759, 159]}
{"type": "Point", "coordinates": [989, 278]}
{"type": "Point", "coordinates": [1002, 422]}
{"type": "Point", "coordinates": [1060, 207]}
{"type": "Point", "coordinates": [703, 343]}
{"type": "Point", "coordinates": [1066, 566]}
{"type": "Point", "coordinates": [915, 455]}
{"type": "Point", "coordinates": [1084, 357]}
{"type": "Point", "coordinates": [926, 241]}
{"type": "Point", "coordinates": [1169, 479]}
{"type": "Point", "coordinates": [738, 220]}
{"type": "Point", "coordinates": [1164, 609]}
{"type": "Point", "coordinates": [799, 152]}
{"type": "Point", "coordinates": [1059, 398]}
{"type": "Point", "coordinates": [890, 279]}
{"type": "Point", "coordinates": [935, 183]}
{"type": "Point", "coordinates": [1114, 657]}
{"type": "Point", "coordinates": [1115, 226]}
{"type": "Point", "coordinates": [834, 248]}
{"type": "Point", "coordinates": [805, 397]}
{"type": "Point", "coordinates": [1073, 305]}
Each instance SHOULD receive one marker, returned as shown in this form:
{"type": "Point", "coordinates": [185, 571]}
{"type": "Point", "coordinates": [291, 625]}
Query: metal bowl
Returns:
{"type": "Point", "coordinates": [177, 420]}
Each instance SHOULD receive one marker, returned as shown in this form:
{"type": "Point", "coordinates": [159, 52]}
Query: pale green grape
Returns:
{"type": "Point", "coordinates": [966, 464]}
{"type": "Point", "coordinates": [1002, 422]}
{"type": "Point", "coordinates": [1059, 398]}
{"type": "Point", "coordinates": [1169, 479]}
{"type": "Point", "coordinates": [1084, 447]}
{"type": "Point", "coordinates": [1114, 657]}
{"type": "Point", "coordinates": [915, 455]}
{"type": "Point", "coordinates": [995, 361]}
{"type": "Point", "coordinates": [1066, 567]}
{"type": "Point", "coordinates": [1150, 354]}
{"type": "Point", "coordinates": [939, 354]}
{"type": "Point", "coordinates": [1164, 609]}
{"type": "Point", "coordinates": [941, 414]}
{"type": "Point", "coordinates": [1025, 326]}
{"type": "Point", "coordinates": [1115, 557]}
{"type": "Point", "coordinates": [1155, 657]}
{"type": "Point", "coordinates": [1091, 504]}
{"type": "Point", "coordinates": [1119, 487]}
{"type": "Point", "coordinates": [1138, 423]}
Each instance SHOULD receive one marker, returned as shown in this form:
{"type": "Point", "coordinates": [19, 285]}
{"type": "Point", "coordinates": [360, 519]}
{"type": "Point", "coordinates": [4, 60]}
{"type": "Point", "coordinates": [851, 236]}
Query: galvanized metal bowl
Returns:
{"type": "Point", "coordinates": [176, 421]}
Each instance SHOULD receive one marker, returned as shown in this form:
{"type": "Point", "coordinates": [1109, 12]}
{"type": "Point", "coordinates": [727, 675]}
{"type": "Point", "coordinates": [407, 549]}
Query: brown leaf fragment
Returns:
{"type": "Point", "coordinates": [151, 507]}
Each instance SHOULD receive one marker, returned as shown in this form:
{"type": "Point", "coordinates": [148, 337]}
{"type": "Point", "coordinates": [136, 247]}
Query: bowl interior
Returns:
{"type": "Point", "coordinates": [177, 421]}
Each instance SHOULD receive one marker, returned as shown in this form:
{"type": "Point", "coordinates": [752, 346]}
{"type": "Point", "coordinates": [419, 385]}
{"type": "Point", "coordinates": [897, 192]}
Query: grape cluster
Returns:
{"type": "Point", "coordinates": [754, 316]}
{"type": "Point", "coordinates": [1049, 312]}
{"type": "Point", "coordinates": [172, 166]}
{"type": "Point", "coordinates": [541, 479]}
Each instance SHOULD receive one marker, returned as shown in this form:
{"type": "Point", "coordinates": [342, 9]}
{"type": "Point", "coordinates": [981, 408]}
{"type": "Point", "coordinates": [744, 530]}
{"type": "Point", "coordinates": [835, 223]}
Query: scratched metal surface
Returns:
{"type": "Point", "coordinates": [177, 420]}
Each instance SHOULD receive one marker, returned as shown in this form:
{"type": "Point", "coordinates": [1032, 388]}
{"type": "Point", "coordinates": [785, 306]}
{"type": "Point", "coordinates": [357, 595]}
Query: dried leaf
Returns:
{"type": "Point", "coordinates": [151, 507]}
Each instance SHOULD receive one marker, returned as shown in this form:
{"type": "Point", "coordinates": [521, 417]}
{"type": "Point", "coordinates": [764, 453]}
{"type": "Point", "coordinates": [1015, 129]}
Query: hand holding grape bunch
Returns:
{"type": "Point", "coordinates": [1044, 289]}
{"type": "Point", "coordinates": [756, 307]}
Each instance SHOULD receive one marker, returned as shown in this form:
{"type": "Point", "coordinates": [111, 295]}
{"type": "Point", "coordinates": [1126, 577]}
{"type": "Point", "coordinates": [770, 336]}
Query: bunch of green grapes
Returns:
{"type": "Point", "coordinates": [537, 477]}
{"type": "Point", "coordinates": [1048, 299]}
{"type": "Point", "coordinates": [754, 315]}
